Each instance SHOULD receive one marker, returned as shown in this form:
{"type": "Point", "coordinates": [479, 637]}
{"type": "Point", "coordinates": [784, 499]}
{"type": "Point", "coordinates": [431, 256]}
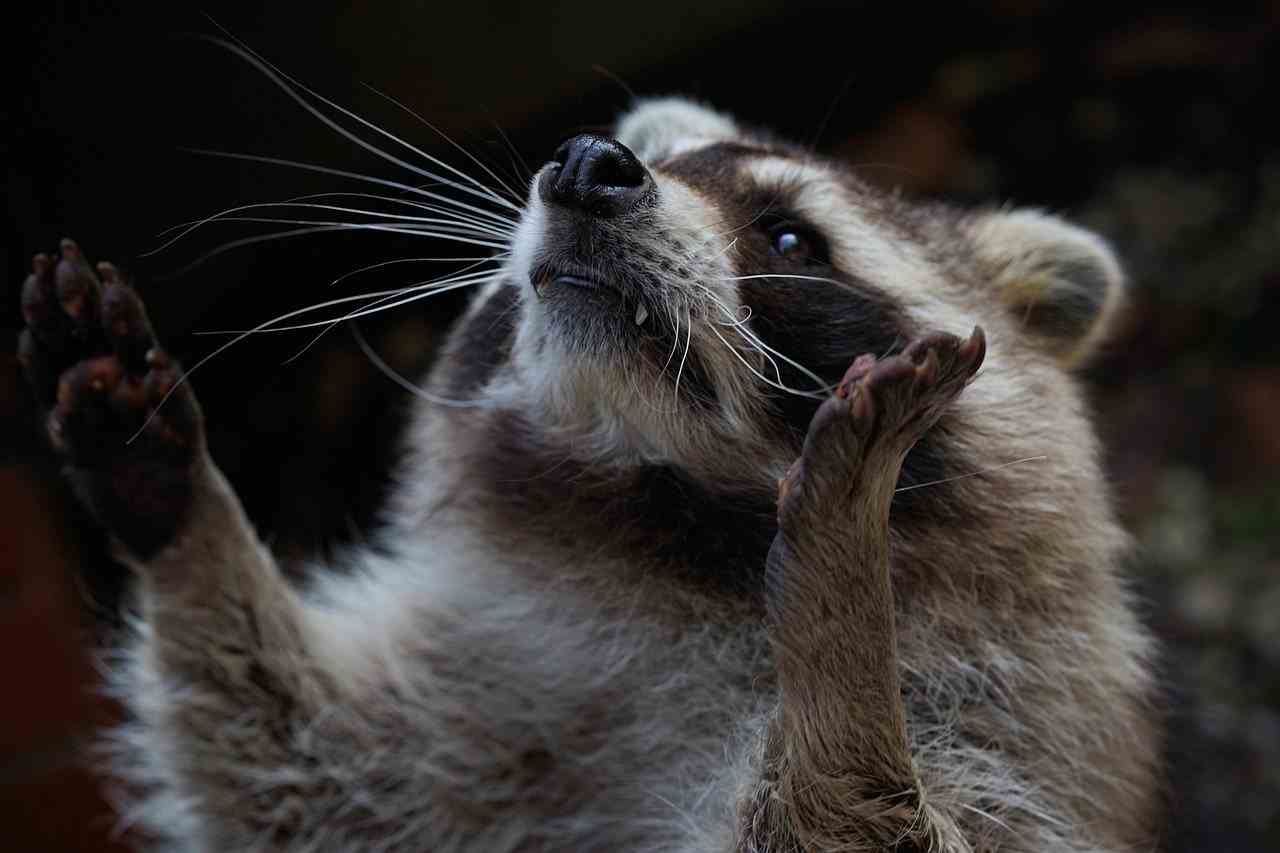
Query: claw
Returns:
{"type": "Point", "coordinates": [157, 358]}
{"type": "Point", "coordinates": [69, 247]}
{"type": "Point", "coordinates": [861, 408]}
{"type": "Point", "coordinates": [110, 273]}
{"type": "Point", "coordinates": [974, 350]}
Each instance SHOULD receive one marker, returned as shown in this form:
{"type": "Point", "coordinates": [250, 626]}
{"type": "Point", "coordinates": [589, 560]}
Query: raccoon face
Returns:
{"type": "Point", "coordinates": [687, 283]}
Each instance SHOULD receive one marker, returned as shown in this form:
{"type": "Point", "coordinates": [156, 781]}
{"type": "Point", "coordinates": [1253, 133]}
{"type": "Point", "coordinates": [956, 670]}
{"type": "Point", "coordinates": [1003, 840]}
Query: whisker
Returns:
{"type": "Point", "coordinates": [381, 264]}
{"type": "Point", "coordinates": [764, 348]}
{"type": "Point", "coordinates": [355, 176]}
{"type": "Point", "coordinates": [406, 220]}
{"type": "Point", "coordinates": [409, 221]}
{"type": "Point", "coordinates": [330, 324]}
{"type": "Point", "coordinates": [514, 153]}
{"type": "Point", "coordinates": [674, 317]}
{"type": "Point", "coordinates": [725, 310]}
{"type": "Point", "coordinates": [971, 474]}
{"type": "Point", "coordinates": [823, 385]}
{"type": "Point", "coordinates": [746, 317]}
{"type": "Point", "coordinates": [753, 220]}
{"type": "Point", "coordinates": [441, 232]}
{"type": "Point", "coordinates": [622, 84]}
{"type": "Point", "coordinates": [279, 78]}
{"type": "Point", "coordinates": [724, 250]}
{"type": "Point", "coordinates": [503, 227]}
{"type": "Point", "coordinates": [783, 275]}
{"type": "Point", "coordinates": [245, 241]}
{"type": "Point", "coordinates": [499, 223]}
{"type": "Point", "coordinates": [269, 323]}
{"type": "Point", "coordinates": [418, 291]}
{"type": "Point", "coordinates": [396, 377]}
{"type": "Point", "coordinates": [779, 385]}
{"type": "Point", "coordinates": [465, 153]}
{"type": "Point", "coordinates": [687, 343]}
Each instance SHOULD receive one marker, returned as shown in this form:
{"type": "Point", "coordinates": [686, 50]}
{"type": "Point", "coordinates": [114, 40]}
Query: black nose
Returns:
{"type": "Point", "coordinates": [595, 174]}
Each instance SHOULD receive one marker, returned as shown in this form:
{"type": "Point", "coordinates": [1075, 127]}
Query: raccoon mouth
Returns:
{"type": "Point", "coordinates": [548, 277]}
{"type": "Point", "coordinates": [550, 280]}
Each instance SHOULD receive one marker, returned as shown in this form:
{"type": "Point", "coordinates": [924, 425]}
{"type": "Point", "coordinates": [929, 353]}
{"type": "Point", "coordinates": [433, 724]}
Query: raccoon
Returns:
{"type": "Point", "coordinates": [706, 539]}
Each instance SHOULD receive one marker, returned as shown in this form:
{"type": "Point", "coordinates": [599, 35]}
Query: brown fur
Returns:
{"type": "Point", "coordinates": [588, 627]}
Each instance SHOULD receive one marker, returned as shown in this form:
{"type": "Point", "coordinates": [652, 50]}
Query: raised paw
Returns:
{"type": "Point", "coordinates": [115, 408]}
{"type": "Point", "coordinates": [858, 437]}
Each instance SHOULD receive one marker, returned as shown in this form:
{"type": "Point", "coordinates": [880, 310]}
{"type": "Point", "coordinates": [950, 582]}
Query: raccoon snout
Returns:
{"type": "Point", "coordinates": [595, 175]}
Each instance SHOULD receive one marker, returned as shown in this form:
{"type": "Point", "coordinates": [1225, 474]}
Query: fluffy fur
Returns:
{"type": "Point", "coordinates": [567, 638]}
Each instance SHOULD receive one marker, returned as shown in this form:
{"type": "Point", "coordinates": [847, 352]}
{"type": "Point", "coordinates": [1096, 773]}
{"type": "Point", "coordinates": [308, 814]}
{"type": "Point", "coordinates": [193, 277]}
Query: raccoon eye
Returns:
{"type": "Point", "coordinates": [796, 242]}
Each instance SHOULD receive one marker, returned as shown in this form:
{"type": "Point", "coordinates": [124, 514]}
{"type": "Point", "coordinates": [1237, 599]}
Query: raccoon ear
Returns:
{"type": "Point", "coordinates": [657, 128]}
{"type": "Point", "coordinates": [1062, 282]}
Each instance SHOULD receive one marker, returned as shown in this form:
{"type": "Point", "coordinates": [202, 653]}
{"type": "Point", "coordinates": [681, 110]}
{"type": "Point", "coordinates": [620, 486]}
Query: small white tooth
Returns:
{"type": "Point", "coordinates": [642, 314]}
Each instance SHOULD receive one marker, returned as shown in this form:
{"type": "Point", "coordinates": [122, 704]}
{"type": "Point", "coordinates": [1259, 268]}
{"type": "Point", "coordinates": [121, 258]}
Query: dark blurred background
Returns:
{"type": "Point", "coordinates": [1154, 124]}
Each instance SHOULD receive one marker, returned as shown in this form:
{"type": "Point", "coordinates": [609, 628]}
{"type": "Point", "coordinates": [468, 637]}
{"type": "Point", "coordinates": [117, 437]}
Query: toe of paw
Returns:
{"type": "Point", "coordinates": [84, 383]}
{"type": "Point", "coordinates": [125, 323]}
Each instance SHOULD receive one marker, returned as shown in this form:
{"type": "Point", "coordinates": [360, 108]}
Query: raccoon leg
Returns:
{"type": "Point", "coordinates": [838, 772]}
{"type": "Point", "coordinates": [224, 633]}
{"type": "Point", "coordinates": [93, 362]}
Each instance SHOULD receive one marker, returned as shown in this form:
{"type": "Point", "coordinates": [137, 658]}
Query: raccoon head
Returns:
{"type": "Point", "coordinates": [689, 290]}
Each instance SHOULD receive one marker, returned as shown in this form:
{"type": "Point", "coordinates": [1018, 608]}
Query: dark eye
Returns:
{"type": "Point", "coordinates": [797, 242]}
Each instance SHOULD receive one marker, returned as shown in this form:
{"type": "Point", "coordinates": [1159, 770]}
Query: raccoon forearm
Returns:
{"type": "Point", "coordinates": [222, 617]}
{"type": "Point", "coordinates": [837, 766]}
{"type": "Point", "coordinates": [835, 645]}
{"type": "Point", "coordinates": [250, 717]}
{"type": "Point", "coordinates": [838, 771]}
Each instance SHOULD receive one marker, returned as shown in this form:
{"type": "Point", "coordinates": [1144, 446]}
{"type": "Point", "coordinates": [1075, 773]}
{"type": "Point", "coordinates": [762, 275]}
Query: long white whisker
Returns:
{"type": "Point", "coordinates": [465, 153]}
{"type": "Point", "coordinates": [333, 323]}
{"type": "Point", "coordinates": [413, 222]}
{"type": "Point", "coordinates": [724, 250]}
{"type": "Point", "coordinates": [395, 376]}
{"type": "Point", "coordinates": [456, 217]}
{"type": "Point", "coordinates": [674, 317]}
{"type": "Point", "coordinates": [381, 264]}
{"type": "Point", "coordinates": [764, 349]}
{"type": "Point", "coordinates": [405, 294]}
{"type": "Point", "coordinates": [279, 78]}
{"type": "Point", "coordinates": [1040, 458]}
{"type": "Point", "coordinates": [687, 343]}
{"type": "Point", "coordinates": [329, 324]}
{"type": "Point", "coordinates": [779, 385]}
{"type": "Point", "coordinates": [745, 310]}
{"type": "Point", "coordinates": [249, 241]}
{"type": "Point", "coordinates": [494, 223]}
{"type": "Point", "coordinates": [784, 275]}
{"type": "Point", "coordinates": [515, 156]}
{"type": "Point", "coordinates": [725, 310]}
{"type": "Point", "coordinates": [355, 176]}
{"type": "Point", "coordinates": [417, 295]}
{"type": "Point", "coordinates": [822, 384]}
{"type": "Point", "coordinates": [269, 323]}
{"type": "Point", "coordinates": [441, 232]}
{"type": "Point", "coordinates": [749, 222]}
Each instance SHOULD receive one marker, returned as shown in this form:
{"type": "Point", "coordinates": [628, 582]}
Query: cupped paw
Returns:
{"type": "Point", "coordinates": [882, 406]}
{"type": "Point", "coordinates": [116, 409]}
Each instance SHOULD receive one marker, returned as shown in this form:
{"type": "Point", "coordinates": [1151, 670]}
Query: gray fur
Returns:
{"type": "Point", "coordinates": [489, 680]}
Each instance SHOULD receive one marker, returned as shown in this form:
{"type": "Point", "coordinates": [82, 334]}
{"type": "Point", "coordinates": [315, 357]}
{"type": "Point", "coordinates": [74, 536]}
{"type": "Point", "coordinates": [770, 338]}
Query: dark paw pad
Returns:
{"type": "Point", "coordinates": [116, 410]}
{"type": "Point", "coordinates": [903, 395]}
{"type": "Point", "coordinates": [879, 410]}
